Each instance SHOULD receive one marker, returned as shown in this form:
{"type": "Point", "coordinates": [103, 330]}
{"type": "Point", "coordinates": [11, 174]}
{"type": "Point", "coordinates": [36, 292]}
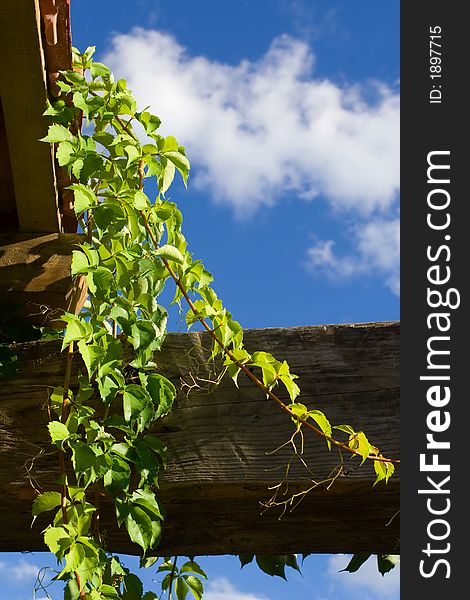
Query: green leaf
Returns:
{"type": "Point", "coordinates": [88, 464]}
{"type": "Point", "coordinates": [150, 149]}
{"type": "Point", "coordinates": [360, 443]}
{"type": "Point", "coordinates": [57, 133]}
{"type": "Point", "coordinates": [141, 528]}
{"type": "Point", "coordinates": [195, 586]}
{"type": "Point", "coordinates": [150, 122]}
{"type": "Point", "coordinates": [245, 559]}
{"type": "Point", "coordinates": [144, 334]}
{"type": "Point", "coordinates": [92, 354]}
{"type": "Point", "coordinates": [299, 410]}
{"type": "Point", "coordinates": [135, 399]}
{"type": "Point", "coordinates": [345, 428]}
{"type": "Point", "coordinates": [71, 591]}
{"type": "Point", "coordinates": [193, 567]}
{"type": "Point", "coordinates": [109, 383]}
{"type": "Point", "coordinates": [64, 153]}
{"type": "Point", "coordinates": [383, 470]}
{"type": "Point", "coordinates": [57, 540]}
{"type": "Point", "coordinates": [76, 329]}
{"type": "Point", "coordinates": [291, 561]}
{"type": "Point", "coordinates": [102, 283]}
{"type": "Point", "coordinates": [141, 201]}
{"type": "Point", "coordinates": [84, 198]}
{"type": "Point", "coordinates": [80, 262]}
{"type": "Point", "coordinates": [242, 357]}
{"type": "Point", "coordinates": [117, 478]}
{"type": "Point", "coordinates": [98, 69]}
{"type": "Point", "coordinates": [44, 502]}
{"type": "Point", "coordinates": [181, 163]}
{"type": "Point", "coordinates": [108, 591]}
{"type": "Point", "coordinates": [167, 565]}
{"type": "Point", "coordinates": [75, 557]}
{"type": "Point", "coordinates": [157, 446]}
{"type": "Point", "coordinates": [387, 562]}
{"type": "Point", "coordinates": [272, 564]}
{"type": "Point", "coordinates": [356, 562]}
{"type": "Point", "coordinates": [162, 392]}
{"type": "Point", "coordinates": [170, 144]}
{"type": "Point", "coordinates": [167, 176]}
{"type": "Point", "coordinates": [133, 587]}
{"type": "Point", "coordinates": [58, 432]}
{"type": "Point", "coordinates": [133, 154]}
{"type": "Point", "coordinates": [170, 253]}
{"type": "Point", "coordinates": [322, 423]}
{"type": "Point", "coordinates": [269, 367]}
{"type": "Point", "coordinates": [181, 588]}
{"type": "Point", "coordinates": [147, 500]}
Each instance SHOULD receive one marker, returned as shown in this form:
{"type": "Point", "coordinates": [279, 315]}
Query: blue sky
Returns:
{"type": "Point", "coordinates": [289, 111]}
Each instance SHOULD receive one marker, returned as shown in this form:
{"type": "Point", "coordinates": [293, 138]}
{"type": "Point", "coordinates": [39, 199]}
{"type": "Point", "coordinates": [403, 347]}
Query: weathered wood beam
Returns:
{"type": "Point", "coordinates": [23, 91]}
{"type": "Point", "coordinates": [220, 442]}
{"type": "Point", "coordinates": [35, 273]}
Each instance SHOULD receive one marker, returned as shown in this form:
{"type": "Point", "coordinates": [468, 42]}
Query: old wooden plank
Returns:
{"type": "Point", "coordinates": [8, 216]}
{"type": "Point", "coordinates": [23, 91]}
{"type": "Point", "coordinates": [35, 273]}
{"type": "Point", "coordinates": [220, 442]}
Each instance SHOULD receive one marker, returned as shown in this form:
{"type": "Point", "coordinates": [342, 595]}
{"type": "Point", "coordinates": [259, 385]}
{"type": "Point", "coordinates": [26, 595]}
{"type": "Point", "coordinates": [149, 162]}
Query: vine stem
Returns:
{"type": "Point", "coordinates": [172, 576]}
{"type": "Point", "coordinates": [63, 419]}
{"type": "Point", "coordinates": [245, 370]}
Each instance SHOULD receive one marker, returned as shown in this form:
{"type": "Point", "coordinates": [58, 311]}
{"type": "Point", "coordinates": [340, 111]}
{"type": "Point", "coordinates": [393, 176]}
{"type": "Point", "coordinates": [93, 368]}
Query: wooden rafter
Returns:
{"type": "Point", "coordinates": [218, 440]}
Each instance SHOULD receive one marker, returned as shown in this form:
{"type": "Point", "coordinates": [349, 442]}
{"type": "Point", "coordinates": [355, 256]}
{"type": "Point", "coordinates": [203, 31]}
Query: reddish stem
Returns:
{"type": "Point", "coordinates": [245, 370]}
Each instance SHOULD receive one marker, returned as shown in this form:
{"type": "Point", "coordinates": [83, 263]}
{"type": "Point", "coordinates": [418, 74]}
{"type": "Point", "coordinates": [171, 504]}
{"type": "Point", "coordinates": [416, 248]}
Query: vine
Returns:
{"type": "Point", "coordinates": [134, 246]}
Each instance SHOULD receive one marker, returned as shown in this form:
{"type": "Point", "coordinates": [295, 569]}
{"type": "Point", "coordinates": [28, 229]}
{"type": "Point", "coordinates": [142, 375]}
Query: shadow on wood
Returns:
{"type": "Point", "coordinates": [35, 274]}
{"type": "Point", "coordinates": [220, 444]}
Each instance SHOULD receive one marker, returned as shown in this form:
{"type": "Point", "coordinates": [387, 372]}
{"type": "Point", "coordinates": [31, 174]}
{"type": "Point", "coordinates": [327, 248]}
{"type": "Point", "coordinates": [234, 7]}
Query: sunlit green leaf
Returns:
{"type": "Point", "coordinates": [91, 354]}
{"type": "Point", "coordinates": [57, 133]}
{"type": "Point", "coordinates": [387, 562]}
{"type": "Point", "coordinates": [195, 586]}
{"type": "Point", "coordinates": [181, 588]}
{"type": "Point", "coordinates": [170, 253]}
{"type": "Point", "coordinates": [84, 198]}
{"type": "Point", "coordinates": [45, 501]}
{"type": "Point", "coordinates": [141, 200]}
{"type": "Point", "coordinates": [58, 432]}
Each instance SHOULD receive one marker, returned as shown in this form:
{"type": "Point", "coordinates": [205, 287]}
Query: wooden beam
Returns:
{"type": "Point", "coordinates": [220, 442]}
{"type": "Point", "coordinates": [35, 273]}
{"type": "Point", "coordinates": [23, 91]}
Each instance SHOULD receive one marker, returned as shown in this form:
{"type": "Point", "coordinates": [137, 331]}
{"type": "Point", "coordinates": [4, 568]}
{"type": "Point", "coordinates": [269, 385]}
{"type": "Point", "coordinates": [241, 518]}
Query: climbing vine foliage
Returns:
{"type": "Point", "coordinates": [121, 169]}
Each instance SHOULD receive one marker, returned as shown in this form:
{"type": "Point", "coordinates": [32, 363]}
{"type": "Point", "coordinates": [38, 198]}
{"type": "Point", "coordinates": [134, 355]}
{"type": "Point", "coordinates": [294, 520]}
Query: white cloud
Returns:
{"type": "Point", "coordinates": [222, 589]}
{"type": "Point", "coordinates": [378, 252]}
{"type": "Point", "coordinates": [24, 570]}
{"type": "Point", "coordinates": [21, 570]}
{"type": "Point", "coordinates": [260, 129]}
{"type": "Point", "coordinates": [367, 580]}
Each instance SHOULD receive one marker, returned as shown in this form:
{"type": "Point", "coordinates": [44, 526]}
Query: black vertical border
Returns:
{"type": "Point", "coordinates": [427, 127]}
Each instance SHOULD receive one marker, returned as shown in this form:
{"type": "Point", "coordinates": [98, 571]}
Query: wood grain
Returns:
{"type": "Point", "coordinates": [23, 91]}
{"type": "Point", "coordinates": [35, 273]}
{"type": "Point", "coordinates": [220, 442]}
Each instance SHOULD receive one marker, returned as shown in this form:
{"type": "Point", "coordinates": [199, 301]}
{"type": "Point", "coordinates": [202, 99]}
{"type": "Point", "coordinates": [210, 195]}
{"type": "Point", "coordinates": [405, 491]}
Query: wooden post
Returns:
{"type": "Point", "coordinates": [220, 441]}
{"type": "Point", "coordinates": [24, 96]}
